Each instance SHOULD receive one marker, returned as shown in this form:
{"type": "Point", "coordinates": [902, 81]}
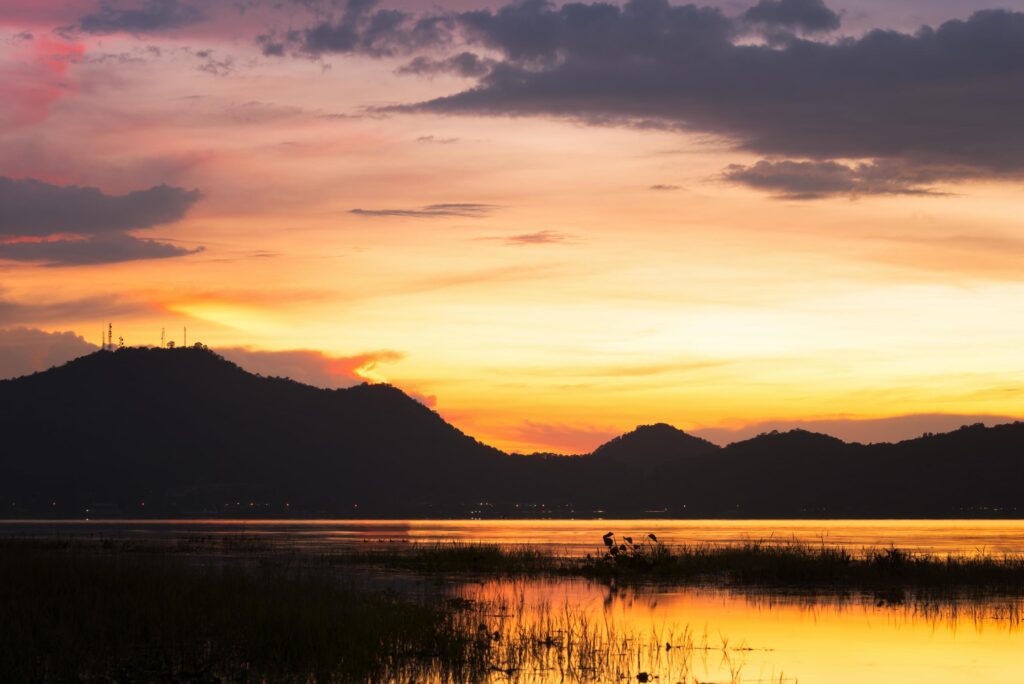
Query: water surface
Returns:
{"type": "Point", "coordinates": [724, 636]}
{"type": "Point", "coordinates": [715, 635]}
{"type": "Point", "coordinates": [569, 536]}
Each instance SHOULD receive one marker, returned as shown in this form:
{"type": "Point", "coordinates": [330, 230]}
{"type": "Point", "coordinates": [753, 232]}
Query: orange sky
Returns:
{"type": "Point", "coordinates": [560, 300]}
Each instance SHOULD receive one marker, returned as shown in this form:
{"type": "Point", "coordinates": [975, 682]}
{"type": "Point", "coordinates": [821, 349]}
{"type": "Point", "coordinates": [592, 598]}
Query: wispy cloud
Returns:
{"type": "Point", "coordinates": [40, 312]}
{"type": "Point", "coordinates": [543, 237]}
{"type": "Point", "coordinates": [461, 210]}
{"type": "Point", "coordinates": [71, 225]}
{"type": "Point", "coordinates": [433, 139]}
{"type": "Point", "coordinates": [804, 180]}
{"type": "Point", "coordinates": [91, 251]}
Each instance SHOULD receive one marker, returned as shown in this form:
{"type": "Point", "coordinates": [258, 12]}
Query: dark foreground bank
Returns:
{"type": "Point", "coordinates": [77, 613]}
{"type": "Point", "coordinates": [235, 609]}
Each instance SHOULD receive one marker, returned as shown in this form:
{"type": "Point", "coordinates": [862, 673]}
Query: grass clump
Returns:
{"type": "Point", "coordinates": [69, 614]}
{"type": "Point", "coordinates": [794, 564]}
{"type": "Point", "coordinates": [754, 563]}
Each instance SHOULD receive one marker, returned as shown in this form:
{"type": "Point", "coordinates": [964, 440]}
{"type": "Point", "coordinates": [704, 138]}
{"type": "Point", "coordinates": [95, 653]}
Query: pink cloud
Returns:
{"type": "Point", "coordinates": [27, 350]}
{"type": "Point", "coordinates": [34, 78]}
{"type": "Point", "coordinates": [312, 367]}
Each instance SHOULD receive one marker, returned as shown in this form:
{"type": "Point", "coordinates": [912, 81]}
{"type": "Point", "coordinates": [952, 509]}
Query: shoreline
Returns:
{"type": "Point", "coordinates": [768, 564]}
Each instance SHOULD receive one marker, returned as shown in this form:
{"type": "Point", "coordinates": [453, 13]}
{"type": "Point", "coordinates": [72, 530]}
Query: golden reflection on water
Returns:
{"type": "Point", "coordinates": [767, 637]}
{"type": "Point", "coordinates": [717, 635]}
{"type": "Point", "coordinates": [935, 536]}
{"type": "Point", "coordinates": [578, 536]}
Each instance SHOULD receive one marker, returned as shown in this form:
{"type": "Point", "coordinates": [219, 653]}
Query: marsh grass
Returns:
{"type": "Point", "coordinates": [771, 564]}
{"type": "Point", "coordinates": [71, 614]}
{"type": "Point", "coordinates": [239, 610]}
{"type": "Point", "coordinates": [795, 564]}
{"type": "Point", "coordinates": [567, 644]}
{"type": "Point", "coordinates": [768, 563]}
{"type": "Point", "coordinates": [103, 612]}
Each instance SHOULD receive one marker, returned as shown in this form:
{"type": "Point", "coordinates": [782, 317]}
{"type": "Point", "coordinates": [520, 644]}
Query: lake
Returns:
{"type": "Point", "coordinates": [569, 536]}
{"type": "Point", "coordinates": [684, 634]}
{"type": "Point", "coordinates": [726, 636]}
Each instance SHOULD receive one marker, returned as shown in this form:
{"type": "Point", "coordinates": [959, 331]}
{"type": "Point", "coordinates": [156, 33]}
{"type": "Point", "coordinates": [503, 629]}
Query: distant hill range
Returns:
{"type": "Point", "coordinates": [149, 432]}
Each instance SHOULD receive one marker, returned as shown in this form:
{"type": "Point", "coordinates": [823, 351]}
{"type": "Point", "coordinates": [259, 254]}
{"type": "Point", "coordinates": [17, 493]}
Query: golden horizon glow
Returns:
{"type": "Point", "coordinates": [576, 305]}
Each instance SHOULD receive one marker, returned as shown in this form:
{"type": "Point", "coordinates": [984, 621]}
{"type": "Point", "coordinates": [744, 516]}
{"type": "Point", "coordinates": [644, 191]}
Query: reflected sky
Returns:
{"type": "Point", "coordinates": [770, 638]}
{"type": "Point", "coordinates": [571, 536]}
{"type": "Point", "coordinates": [717, 635]}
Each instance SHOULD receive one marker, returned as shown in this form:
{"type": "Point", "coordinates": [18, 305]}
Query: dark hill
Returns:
{"type": "Point", "coordinates": [187, 432]}
{"type": "Point", "coordinates": [186, 426]}
{"type": "Point", "coordinates": [653, 445]}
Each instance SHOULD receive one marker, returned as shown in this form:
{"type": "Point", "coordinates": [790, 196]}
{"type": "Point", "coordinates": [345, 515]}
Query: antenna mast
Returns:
{"type": "Point", "coordinates": [184, 339]}
{"type": "Point", "coordinates": [162, 344]}
{"type": "Point", "coordinates": [110, 336]}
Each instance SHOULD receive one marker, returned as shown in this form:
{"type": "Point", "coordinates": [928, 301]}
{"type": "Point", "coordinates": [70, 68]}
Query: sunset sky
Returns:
{"type": "Point", "coordinates": [549, 222]}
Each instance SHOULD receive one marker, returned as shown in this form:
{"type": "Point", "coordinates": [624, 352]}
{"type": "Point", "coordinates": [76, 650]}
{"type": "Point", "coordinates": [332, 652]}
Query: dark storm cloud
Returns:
{"type": "Point", "coordinates": [463, 210]}
{"type": "Point", "coordinates": [463, 64]}
{"type": "Point", "coordinates": [34, 208]}
{"type": "Point", "coordinates": [72, 225]}
{"type": "Point", "coordinates": [97, 250]}
{"type": "Point", "coordinates": [949, 98]}
{"type": "Point", "coordinates": [811, 16]}
{"type": "Point", "coordinates": [362, 28]}
{"type": "Point", "coordinates": [140, 17]}
{"type": "Point", "coordinates": [943, 103]}
{"type": "Point", "coordinates": [535, 32]}
{"type": "Point", "coordinates": [817, 179]}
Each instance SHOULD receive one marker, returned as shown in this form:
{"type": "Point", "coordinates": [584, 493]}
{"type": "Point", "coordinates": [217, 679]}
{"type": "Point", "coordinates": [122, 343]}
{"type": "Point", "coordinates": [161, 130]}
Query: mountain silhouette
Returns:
{"type": "Point", "coordinates": [653, 445]}
{"type": "Point", "coordinates": [142, 432]}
